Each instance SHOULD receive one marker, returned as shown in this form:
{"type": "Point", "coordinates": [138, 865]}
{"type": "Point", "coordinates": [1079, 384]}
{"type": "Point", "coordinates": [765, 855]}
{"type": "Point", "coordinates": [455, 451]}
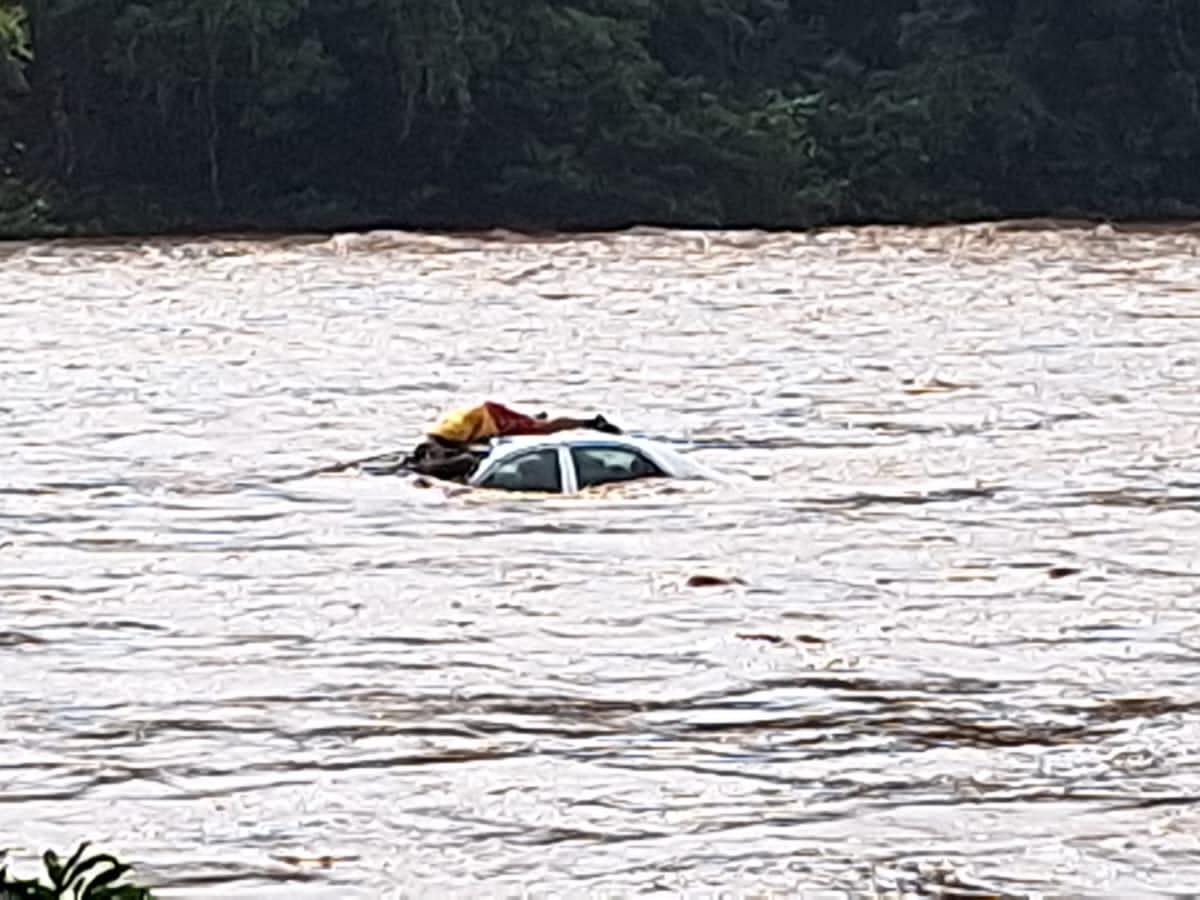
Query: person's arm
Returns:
{"type": "Point", "coordinates": [562, 423]}
{"type": "Point", "coordinates": [566, 423]}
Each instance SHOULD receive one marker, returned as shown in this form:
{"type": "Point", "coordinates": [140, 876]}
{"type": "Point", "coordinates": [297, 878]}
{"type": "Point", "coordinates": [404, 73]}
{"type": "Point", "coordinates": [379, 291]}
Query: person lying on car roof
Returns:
{"type": "Point", "coordinates": [446, 450]}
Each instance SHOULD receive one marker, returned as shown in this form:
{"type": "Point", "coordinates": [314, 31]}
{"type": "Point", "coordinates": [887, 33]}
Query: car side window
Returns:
{"type": "Point", "coordinates": [604, 465]}
{"type": "Point", "coordinates": [537, 470]}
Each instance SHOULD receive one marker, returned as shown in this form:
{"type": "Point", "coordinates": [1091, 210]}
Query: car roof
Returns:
{"type": "Point", "coordinates": [574, 439]}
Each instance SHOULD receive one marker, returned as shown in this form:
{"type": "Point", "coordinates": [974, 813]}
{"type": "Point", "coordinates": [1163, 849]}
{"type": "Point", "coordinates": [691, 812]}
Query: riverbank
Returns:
{"type": "Point", "coordinates": [27, 215]}
{"type": "Point", "coordinates": [32, 209]}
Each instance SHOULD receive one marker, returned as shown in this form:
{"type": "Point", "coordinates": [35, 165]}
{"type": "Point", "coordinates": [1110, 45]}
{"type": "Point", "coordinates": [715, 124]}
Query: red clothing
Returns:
{"type": "Point", "coordinates": [478, 423]}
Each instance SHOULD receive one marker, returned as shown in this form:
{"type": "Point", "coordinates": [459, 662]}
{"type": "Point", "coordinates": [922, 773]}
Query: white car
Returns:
{"type": "Point", "coordinates": [570, 461]}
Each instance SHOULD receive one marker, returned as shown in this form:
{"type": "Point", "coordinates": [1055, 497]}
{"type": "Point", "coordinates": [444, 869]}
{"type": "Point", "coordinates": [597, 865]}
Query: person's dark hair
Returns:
{"type": "Point", "coordinates": [454, 468]}
{"type": "Point", "coordinates": [437, 460]}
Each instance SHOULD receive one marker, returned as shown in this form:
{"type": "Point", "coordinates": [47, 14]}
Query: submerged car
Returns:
{"type": "Point", "coordinates": [562, 463]}
{"type": "Point", "coordinates": [568, 462]}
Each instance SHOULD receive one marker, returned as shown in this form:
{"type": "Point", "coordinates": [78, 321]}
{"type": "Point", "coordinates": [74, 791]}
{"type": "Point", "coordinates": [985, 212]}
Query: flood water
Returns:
{"type": "Point", "coordinates": [957, 655]}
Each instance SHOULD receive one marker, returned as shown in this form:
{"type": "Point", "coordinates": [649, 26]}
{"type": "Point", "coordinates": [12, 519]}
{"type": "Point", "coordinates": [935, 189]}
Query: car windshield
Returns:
{"type": "Point", "coordinates": [535, 470]}
{"type": "Point", "coordinates": [604, 465]}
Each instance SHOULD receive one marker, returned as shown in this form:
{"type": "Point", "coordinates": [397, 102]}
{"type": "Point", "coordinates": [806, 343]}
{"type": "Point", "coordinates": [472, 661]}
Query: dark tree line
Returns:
{"type": "Point", "coordinates": [119, 115]}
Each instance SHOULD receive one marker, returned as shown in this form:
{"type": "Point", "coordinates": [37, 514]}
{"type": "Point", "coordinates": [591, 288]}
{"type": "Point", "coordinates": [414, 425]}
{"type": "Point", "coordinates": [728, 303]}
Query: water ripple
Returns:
{"type": "Point", "coordinates": [935, 637]}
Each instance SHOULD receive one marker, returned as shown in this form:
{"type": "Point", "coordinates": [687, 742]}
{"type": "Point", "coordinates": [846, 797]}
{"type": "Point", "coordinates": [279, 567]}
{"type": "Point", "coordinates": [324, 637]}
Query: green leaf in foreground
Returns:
{"type": "Point", "coordinates": [70, 881]}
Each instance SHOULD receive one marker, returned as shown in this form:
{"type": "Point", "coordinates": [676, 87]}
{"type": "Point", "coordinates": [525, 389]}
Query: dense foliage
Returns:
{"type": "Point", "coordinates": [96, 877]}
{"type": "Point", "coordinates": [565, 113]}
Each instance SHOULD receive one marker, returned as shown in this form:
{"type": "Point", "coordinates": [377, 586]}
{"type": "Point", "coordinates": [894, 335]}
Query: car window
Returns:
{"type": "Point", "coordinates": [603, 465]}
{"type": "Point", "coordinates": [536, 470]}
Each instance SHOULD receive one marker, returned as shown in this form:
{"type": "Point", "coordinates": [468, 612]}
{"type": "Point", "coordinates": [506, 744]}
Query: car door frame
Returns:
{"type": "Point", "coordinates": [566, 469]}
{"type": "Point", "coordinates": [567, 450]}
{"type": "Point", "coordinates": [567, 482]}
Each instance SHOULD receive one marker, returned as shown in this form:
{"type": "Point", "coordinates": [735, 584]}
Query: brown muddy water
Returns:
{"type": "Point", "coordinates": [961, 660]}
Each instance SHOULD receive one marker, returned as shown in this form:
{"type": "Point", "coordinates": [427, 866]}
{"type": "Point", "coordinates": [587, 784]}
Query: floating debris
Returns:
{"type": "Point", "coordinates": [701, 581]}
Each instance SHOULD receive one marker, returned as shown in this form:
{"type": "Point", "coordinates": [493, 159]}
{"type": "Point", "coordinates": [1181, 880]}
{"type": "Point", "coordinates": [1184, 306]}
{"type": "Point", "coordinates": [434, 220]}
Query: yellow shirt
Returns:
{"type": "Point", "coordinates": [466, 425]}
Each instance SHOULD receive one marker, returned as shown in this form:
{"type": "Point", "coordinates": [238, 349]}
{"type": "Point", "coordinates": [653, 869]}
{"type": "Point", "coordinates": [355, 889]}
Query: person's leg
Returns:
{"type": "Point", "coordinates": [595, 423]}
{"type": "Point", "coordinates": [562, 423]}
{"type": "Point", "coordinates": [511, 422]}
